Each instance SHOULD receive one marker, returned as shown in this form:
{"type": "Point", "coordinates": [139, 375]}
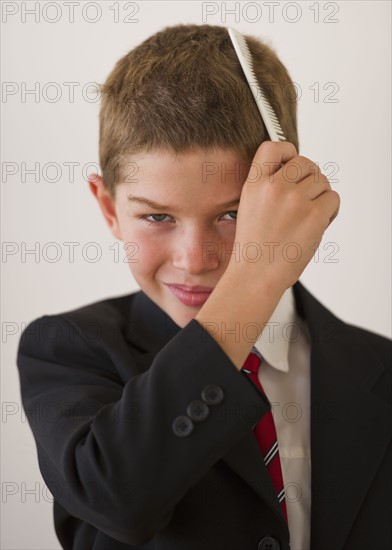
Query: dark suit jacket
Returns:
{"type": "Point", "coordinates": [103, 387]}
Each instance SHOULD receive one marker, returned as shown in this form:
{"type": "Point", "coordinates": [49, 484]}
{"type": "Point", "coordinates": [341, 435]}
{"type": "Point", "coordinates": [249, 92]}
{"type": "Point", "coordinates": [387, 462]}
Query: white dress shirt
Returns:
{"type": "Point", "coordinates": [285, 378]}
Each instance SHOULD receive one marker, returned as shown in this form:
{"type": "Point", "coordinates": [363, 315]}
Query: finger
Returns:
{"type": "Point", "coordinates": [298, 168]}
{"type": "Point", "coordinates": [328, 206]}
{"type": "Point", "coordinates": [271, 155]}
{"type": "Point", "coordinates": [313, 187]}
{"type": "Point", "coordinates": [93, 177]}
{"type": "Point", "coordinates": [334, 215]}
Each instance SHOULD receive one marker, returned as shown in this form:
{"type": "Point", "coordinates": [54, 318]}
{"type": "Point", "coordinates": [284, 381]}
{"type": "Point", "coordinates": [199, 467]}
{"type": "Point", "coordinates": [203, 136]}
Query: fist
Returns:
{"type": "Point", "coordinates": [285, 199]}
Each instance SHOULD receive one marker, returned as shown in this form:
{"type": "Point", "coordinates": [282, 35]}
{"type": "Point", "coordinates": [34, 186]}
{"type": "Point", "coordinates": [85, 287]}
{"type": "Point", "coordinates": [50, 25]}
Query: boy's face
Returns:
{"type": "Point", "coordinates": [188, 241]}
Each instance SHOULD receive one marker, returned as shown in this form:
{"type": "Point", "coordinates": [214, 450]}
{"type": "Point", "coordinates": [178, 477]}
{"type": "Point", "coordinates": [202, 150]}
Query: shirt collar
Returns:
{"type": "Point", "coordinates": [274, 342]}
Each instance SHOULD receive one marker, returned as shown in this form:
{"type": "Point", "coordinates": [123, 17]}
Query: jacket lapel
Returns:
{"type": "Point", "coordinates": [349, 431]}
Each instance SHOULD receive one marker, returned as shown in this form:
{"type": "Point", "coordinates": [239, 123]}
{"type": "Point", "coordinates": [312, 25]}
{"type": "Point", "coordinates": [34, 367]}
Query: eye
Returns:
{"type": "Point", "coordinates": [152, 222]}
{"type": "Point", "coordinates": [161, 221]}
{"type": "Point", "coordinates": [232, 212]}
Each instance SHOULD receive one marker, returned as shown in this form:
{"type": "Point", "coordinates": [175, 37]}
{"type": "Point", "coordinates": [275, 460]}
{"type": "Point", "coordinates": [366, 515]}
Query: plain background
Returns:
{"type": "Point", "coordinates": [345, 55]}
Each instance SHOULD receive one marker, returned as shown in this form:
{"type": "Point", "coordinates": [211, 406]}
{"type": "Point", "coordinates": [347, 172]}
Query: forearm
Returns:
{"type": "Point", "coordinates": [238, 310]}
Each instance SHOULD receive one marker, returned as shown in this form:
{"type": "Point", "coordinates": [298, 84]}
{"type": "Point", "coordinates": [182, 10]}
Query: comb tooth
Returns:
{"type": "Point", "coordinates": [266, 110]}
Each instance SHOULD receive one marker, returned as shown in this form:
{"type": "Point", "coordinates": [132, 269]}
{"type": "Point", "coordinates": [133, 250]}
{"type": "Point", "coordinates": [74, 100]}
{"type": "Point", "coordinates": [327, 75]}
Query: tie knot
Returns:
{"type": "Point", "coordinates": [252, 362]}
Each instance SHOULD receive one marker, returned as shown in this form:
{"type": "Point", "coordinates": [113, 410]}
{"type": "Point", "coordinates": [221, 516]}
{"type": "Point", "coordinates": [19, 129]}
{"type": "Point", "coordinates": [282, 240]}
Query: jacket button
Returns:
{"type": "Point", "coordinates": [212, 394]}
{"type": "Point", "coordinates": [182, 426]}
{"type": "Point", "coordinates": [197, 410]}
{"type": "Point", "coordinates": [269, 543]}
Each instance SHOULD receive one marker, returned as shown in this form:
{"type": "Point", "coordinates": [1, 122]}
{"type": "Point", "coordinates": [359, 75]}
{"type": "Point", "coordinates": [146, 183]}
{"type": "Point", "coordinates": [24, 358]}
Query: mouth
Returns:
{"type": "Point", "coordinates": [191, 296]}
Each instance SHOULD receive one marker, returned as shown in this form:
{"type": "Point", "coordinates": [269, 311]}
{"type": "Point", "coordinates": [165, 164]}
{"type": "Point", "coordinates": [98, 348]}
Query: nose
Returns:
{"type": "Point", "coordinates": [197, 252]}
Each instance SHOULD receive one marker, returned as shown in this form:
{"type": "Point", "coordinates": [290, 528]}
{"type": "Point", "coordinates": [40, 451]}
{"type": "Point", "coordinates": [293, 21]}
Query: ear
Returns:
{"type": "Point", "coordinates": [106, 204]}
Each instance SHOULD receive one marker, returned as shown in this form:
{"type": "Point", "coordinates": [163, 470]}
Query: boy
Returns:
{"type": "Point", "coordinates": [156, 440]}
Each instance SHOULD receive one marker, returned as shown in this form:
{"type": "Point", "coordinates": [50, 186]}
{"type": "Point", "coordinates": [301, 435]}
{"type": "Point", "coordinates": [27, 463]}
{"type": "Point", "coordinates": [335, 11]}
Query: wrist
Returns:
{"type": "Point", "coordinates": [252, 279]}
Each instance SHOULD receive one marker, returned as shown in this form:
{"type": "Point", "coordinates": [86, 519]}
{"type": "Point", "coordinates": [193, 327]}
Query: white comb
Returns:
{"type": "Point", "coordinates": [267, 112]}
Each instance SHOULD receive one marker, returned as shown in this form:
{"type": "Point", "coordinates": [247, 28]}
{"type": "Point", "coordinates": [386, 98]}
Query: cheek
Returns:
{"type": "Point", "coordinates": [147, 251]}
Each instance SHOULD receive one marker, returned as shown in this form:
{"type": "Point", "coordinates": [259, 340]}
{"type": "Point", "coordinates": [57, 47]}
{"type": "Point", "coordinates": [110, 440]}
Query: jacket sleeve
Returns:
{"type": "Point", "coordinates": [112, 454]}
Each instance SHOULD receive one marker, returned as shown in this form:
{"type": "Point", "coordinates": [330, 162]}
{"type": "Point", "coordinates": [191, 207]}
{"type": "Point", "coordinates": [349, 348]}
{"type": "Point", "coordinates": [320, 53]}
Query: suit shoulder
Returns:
{"type": "Point", "coordinates": [112, 310]}
{"type": "Point", "coordinates": [87, 327]}
{"type": "Point", "coordinates": [380, 345]}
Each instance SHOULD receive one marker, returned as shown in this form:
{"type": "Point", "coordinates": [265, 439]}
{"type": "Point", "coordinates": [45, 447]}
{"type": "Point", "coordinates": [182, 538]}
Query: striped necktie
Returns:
{"type": "Point", "coordinates": [265, 432]}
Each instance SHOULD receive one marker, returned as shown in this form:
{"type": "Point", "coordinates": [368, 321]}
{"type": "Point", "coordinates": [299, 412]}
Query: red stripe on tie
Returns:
{"type": "Point", "coordinates": [265, 432]}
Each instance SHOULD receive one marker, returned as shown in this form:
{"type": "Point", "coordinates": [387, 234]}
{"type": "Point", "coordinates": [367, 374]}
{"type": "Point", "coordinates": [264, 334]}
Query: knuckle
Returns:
{"type": "Point", "coordinates": [315, 168]}
{"type": "Point", "coordinates": [267, 147]}
{"type": "Point", "coordinates": [290, 147]}
{"type": "Point", "coordinates": [334, 196]}
{"type": "Point", "coordinates": [301, 158]}
{"type": "Point", "coordinates": [325, 179]}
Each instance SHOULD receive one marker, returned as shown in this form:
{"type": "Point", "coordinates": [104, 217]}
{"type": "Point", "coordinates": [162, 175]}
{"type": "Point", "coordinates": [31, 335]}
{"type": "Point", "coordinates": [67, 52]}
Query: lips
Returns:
{"type": "Point", "coordinates": [194, 298]}
{"type": "Point", "coordinates": [194, 288]}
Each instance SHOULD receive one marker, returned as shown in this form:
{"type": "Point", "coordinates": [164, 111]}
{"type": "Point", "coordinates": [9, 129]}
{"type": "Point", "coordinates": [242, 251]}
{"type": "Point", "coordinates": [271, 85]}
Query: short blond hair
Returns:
{"type": "Point", "coordinates": [183, 88]}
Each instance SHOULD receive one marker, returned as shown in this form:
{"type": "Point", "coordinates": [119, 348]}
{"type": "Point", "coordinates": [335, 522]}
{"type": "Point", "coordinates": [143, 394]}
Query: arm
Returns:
{"type": "Point", "coordinates": [275, 210]}
{"type": "Point", "coordinates": [106, 450]}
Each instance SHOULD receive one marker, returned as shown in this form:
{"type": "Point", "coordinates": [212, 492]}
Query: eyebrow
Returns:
{"type": "Point", "coordinates": [157, 206]}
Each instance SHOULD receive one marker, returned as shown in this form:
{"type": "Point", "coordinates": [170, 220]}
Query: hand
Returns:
{"type": "Point", "coordinates": [285, 199]}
